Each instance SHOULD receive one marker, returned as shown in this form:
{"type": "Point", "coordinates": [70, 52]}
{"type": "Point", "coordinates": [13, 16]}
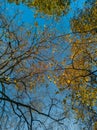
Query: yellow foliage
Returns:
{"type": "Point", "coordinates": [86, 22]}
{"type": "Point", "coordinates": [15, 81]}
{"type": "Point", "coordinates": [77, 76]}
{"type": "Point", "coordinates": [95, 126]}
{"type": "Point", "coordinates": [49, 7]}
{"type": "Point", "coordinates": [36, 24]}
{"type": "Point", "coordinates": [8, 79]}
{"type": "Point", "coordinates": [68, 81]}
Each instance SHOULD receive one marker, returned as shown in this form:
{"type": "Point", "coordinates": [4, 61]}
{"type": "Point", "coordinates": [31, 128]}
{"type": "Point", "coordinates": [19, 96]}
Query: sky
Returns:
{"type": "Point", "coordinates": [62, 25]}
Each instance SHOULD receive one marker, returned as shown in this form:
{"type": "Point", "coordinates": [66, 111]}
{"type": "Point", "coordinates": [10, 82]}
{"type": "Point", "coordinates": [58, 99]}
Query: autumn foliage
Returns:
{"type": "Point", "coordinates": [31, 57]}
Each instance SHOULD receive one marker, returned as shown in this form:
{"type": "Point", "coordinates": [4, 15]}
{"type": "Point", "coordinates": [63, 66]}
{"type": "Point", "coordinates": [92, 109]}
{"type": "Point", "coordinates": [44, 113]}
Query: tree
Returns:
{"type": "Point", "coordinates": [80, 76]}
{"type": "Point", "coordinates": [26, 61]}
{"type": "Point", "coordinates": [49, 7]}
{"type": "Point", "coordinates": [33, 62]}
{"type": "Point", "coordinates": [86, 20]}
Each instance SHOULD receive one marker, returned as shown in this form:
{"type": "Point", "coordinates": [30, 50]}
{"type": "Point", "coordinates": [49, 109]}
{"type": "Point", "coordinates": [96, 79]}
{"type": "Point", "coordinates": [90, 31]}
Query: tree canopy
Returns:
{"type": "Point", "coordinates": [27, 58]}
{"type": "Point", "coordinates": [86, 20]}
{"type": "Point", "coordinates": [49, 7]}
{"type": "Point", "coordinates": [80, 75]}
{"type": "Point", "coordinates": [46, 75]}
